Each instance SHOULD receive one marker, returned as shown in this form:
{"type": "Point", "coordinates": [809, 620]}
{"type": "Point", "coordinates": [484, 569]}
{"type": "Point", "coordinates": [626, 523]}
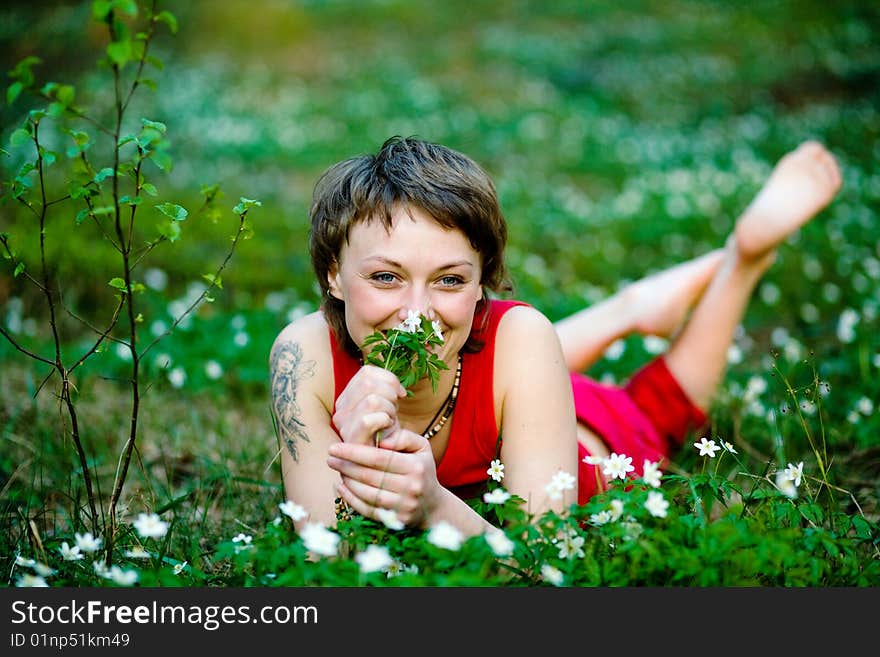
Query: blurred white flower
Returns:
{"type": "Point", "coordinates": [320, 540]}
{"type": "Point", "coordinates": [292, 510]}
{"type": "Point", "coordinates": [155, 279]}
{"type": "Point", "coordinates": [31, 581]}
{"type": "Point", "coordinates": [656, 504]}
{"type": "Point", "coordinates": [846, 325]}
{"type": "Point", "coordinates": [616, 509]}
{"type": "Point", "coordinates": [785, 484]}
{"type": "Point", "coordinates": [551, 574]}
{"type": "Point", "coordinates": [444, 535]}
{"type": "Point", "coordinates": [137, 552]}
{"type": "Point", "coordinates": [122, 577]}
{"type": "Point", "coordinates": [654, 344]}
{"type": "Point", "coordinates": [560, 482]}
{"type": "Point", "coordinates": [177, 377]}
{"type": "Point", "coordinates": [87, 543]}
{"type": "Point", "coordinates": [651, 473]}
{"type": "Point", "coordinates": [150, 525]}
{"type": "Point", "coordinates": [496, 496]}
{"type": "Point", "coordinates": [180, 567]}
{"type": "Point", "coordinates": [213, 370]}
{"type": "Point", "coordinates": [499, 543]}
{"type": "Point", "coordinates": [70, 553]}
{"type": "Point", "coordinates": [374, 558]}
{"type": "Point", "coordinates": [865, 406]}
{"type": "Point", "coordinates": [388, 517]}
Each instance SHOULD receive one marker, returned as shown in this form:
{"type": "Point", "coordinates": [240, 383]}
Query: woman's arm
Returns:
{"type": "Point", "coordinates": [318, 466]}
{"type": "Point", "coordinates": [301, 377]}
{"type": "Point", "coordinates": [535, 408]}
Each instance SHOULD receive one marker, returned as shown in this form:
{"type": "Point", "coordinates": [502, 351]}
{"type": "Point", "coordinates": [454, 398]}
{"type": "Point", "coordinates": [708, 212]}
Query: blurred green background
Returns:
{"type": "Point", "coordinates": [624, 137]}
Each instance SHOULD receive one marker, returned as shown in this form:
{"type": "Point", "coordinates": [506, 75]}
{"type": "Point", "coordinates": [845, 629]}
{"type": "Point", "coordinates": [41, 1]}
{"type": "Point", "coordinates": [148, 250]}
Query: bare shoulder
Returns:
{"type": "Point", "coordinates": [526, 329]}
{"type": "Point", "coordinates": [527, 352]}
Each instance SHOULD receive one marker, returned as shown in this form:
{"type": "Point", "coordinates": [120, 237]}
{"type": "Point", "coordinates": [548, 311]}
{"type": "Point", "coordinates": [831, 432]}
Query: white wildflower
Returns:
{"type": "Point", "coordinates": [444, 535]}
{"type": "Point", "coordinates": [374, 558]}
{"type": "Point", "coordinates": [551, 574]}
{"type": "Point", "coordinates": [651, 473]}
{"type": "Point", "coordinates": [496, 496]}
{"type": "Point", "coordinates": [388, 517]}
{"type": "Point", "coordinates": [496, 470]}
{"type": "Point", "coordinates": [617, 465]}
{"type": "Point", "coordinates": [657, 504]}
{"type": "Point", "coordinates": [292, 510]}
{"type": "Point", "coordinates": [150, 525]}
{"type": "Point", "coordinates": [320, 540]}
{"type": "Point", "coordinates": [707, 447]}
{"type": "Point", "coordinates": [500, 544]}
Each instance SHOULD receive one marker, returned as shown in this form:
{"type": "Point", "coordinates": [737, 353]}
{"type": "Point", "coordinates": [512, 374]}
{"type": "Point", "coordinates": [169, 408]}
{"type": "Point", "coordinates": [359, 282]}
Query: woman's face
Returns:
{"type": "Point", "coordinates": [417, 265]}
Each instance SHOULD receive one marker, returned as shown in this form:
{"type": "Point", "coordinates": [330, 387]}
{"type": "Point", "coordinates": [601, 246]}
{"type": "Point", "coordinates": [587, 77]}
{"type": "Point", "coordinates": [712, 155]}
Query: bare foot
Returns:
{"type": "Point", "coordinates": [663, 299]}
{"type": "Point", "coordinates": [803, 182]}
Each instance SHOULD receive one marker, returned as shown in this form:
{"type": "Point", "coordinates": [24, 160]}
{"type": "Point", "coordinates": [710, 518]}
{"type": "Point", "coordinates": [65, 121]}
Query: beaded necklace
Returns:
{"type": "Point", "coordinates": [446, 408]}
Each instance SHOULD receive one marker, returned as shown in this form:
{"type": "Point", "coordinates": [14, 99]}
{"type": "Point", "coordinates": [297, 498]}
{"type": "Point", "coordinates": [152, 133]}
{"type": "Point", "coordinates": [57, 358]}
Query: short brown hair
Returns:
{"type": "Point", "coordinates": [449, 186]}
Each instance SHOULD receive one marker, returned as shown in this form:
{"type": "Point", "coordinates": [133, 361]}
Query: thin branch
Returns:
{"type": "Point", "coordinates": [26, 352]}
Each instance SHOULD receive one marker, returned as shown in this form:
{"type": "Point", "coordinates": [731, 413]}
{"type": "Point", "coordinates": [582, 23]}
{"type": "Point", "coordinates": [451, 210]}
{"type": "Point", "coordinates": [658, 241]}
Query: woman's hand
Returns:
{"type": "Point", "coordinates": [399, 475]}
{"type": "Point", "coordinates": [368, 405]}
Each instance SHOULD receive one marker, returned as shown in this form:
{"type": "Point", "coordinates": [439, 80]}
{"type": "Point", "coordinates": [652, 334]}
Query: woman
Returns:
{"type": "Point", "coordinates": [417, 228]}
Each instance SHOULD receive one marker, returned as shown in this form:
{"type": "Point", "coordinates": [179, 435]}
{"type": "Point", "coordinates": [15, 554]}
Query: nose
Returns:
{"type": "Point", "coordinates": [418, 300]}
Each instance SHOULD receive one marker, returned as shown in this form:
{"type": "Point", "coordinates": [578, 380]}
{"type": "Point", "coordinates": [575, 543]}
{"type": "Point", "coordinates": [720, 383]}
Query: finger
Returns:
{"type": "Point", "coordinates": [379, 498]}
{"type": "Point", "coordinates": [369, 456]}
{"type": "Point", "coordinates": [374, 477]}
{"type": "Point", "coordinates": [405, 441]}
{"type": "Point", "coordinates": [378, 375]}
{"type": "Point", "coordinates": [358, 503]}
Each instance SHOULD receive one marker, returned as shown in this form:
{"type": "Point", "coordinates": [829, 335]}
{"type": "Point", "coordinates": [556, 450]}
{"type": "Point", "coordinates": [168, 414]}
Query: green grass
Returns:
{"type": "Point", "coordinates": [623, 137]}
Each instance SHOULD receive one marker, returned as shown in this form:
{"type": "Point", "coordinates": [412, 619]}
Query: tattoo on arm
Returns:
{"type": "Point", "coordinates": [287, 369]}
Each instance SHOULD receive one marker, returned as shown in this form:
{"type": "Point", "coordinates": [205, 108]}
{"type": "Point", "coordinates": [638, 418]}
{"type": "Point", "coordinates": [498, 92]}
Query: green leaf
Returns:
{"type": "Point", "coordinates": [118, 283]}
{"type": "Point", "coordinates": [22, 71]}
{"type": "Point", "coordinates": [176, 212]}
{"type": "Point", "coordinates": [245, 205]}
{"type": "Point", "coordinates": [156, 62]}
{"type": "Point", "coordinates": [149, 188]}
{"type": "Point", "coordinates": [170, 230]}
{"type": "Point", "coordinates": [168, 18]}
{"type": "Point", "coordinates": [81, 216]}
{"type": "Point", "coordinates": [103, 174]}
{"type": "Point", "coordinates": [66, 94]}
{"type": "Point", "coordinates": [120, 52]}
{"type": "Point", "coordinates": [158, 126]}
{"type": "Point", "coordinates": [101, 9]}
{"type": "Point", "coordinates": [214, 280]}
{"type": "Point", "coordinates": [18, 269]}
{"type": "Point", "coordinates": [19, 137]}
{"type": "Point", "coordinates": [13, 92]}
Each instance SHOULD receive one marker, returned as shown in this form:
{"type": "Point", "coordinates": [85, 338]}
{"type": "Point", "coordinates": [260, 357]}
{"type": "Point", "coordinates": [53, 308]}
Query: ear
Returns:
{"type": "Point", "coordinates": [333, 281]}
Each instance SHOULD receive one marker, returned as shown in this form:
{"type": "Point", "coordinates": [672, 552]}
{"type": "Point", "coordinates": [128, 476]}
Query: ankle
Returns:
{"type": "Point", "coordinates": [740, 259]}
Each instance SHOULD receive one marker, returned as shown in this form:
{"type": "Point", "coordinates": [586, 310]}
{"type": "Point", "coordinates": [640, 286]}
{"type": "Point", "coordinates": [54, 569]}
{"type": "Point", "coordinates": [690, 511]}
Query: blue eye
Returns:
{"type": "Point", "coordinates": [383, 277]}
{"type": "Point", "coordinates": [450, 281]}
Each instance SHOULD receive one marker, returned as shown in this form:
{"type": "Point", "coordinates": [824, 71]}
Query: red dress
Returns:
{"type": "Point", "coordinates": [647, 418]}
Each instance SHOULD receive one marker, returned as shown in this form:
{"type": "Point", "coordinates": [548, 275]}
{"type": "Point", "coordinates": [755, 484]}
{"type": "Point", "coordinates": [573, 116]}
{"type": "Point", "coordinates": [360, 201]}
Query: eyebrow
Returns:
{"type": "Point", "coordinates": [394, 263]}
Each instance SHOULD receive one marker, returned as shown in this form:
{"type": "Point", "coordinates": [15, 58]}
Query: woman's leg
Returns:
{"type": "Point", "coordinates": [654, 305]}
{"type": "Point", "coordinates": [801, 185]}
